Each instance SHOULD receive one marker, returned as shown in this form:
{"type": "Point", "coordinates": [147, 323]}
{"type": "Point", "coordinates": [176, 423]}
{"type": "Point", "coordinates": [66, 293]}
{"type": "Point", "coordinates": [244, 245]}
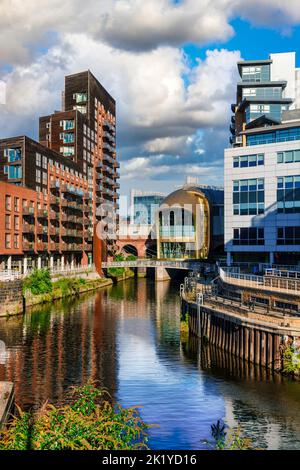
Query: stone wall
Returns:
{"type": "Point", "coordinates": [11, 298]}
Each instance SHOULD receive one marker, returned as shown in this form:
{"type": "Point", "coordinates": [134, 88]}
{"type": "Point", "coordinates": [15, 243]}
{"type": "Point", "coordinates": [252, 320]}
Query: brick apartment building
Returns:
{"type": "Point", "coordinates": [51, 191]}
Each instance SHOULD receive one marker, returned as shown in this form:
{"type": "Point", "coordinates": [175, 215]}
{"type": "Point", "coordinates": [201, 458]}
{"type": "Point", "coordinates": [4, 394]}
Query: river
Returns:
{"type": "Point", "coordinates": [127, 337]}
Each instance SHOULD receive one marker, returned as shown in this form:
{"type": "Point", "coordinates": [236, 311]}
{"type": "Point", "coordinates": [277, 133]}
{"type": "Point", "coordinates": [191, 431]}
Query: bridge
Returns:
{"type": "Point", "coordinates": [160, 266]}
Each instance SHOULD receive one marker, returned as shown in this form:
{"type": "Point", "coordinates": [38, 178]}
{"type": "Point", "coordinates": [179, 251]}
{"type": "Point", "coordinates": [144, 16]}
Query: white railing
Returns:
{"type": "Point", "coordinates": [67, 270]}
{"type": "Point", "coordinates": [282, 273]}
{"type": "Point", "coordinates": [277, 284]}
{"type": "Point", "coordinates": [139, 263]}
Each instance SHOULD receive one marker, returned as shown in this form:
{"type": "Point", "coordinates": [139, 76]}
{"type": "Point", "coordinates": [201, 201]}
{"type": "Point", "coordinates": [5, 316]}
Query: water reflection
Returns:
{"type": "Point", "coordinates": [127, 338]}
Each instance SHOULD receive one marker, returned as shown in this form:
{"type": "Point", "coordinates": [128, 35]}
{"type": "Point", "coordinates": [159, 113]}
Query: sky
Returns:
{"type": "Point", "coordinates": [170, 65]}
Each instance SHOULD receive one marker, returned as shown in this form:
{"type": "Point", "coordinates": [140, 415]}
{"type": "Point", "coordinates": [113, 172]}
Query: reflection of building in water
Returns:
{"type": "Point", "coordinates": [51, 350]}
{"type": "Point", "coordinates": [265, 405]}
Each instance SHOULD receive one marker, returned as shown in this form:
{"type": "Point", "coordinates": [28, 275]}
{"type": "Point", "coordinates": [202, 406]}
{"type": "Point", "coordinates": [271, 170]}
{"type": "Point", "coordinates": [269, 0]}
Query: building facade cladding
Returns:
{"type": "Point", "coordinates": [190, 224]}
{"type": "Point", "coordinates": [280, 170]}
{"type": "Point", "coordinates": [144, 205]}
{"type": "Point", "coordinates": [73, 170]}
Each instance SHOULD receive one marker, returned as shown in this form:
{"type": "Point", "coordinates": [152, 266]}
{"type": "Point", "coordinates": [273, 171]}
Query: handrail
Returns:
{"type": "Point", "coordinates": [270, 283]}
{"type": "Point", "coordinates": [10, 275]}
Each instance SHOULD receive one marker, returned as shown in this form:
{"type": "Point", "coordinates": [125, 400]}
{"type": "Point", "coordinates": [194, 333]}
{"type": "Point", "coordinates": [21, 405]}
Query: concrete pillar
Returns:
{"type": "Point", "coordinates": [9, 263]}
{"type": "Point", "coordinates": [62, 262]}
{"type": "Point", "coordinates": [228, 258]}
{"type": "Point", "coordinates": [72, 261]}
{"type": "Point", "coordinates": [25, 264]}
{"type": "Point", "coordinates": [39, 262]}
{"type": "Point", "coordinates": [161, 274]}
{"type": "Point", "coordinates": [51, 262]}
{"type": "Point", "coordinates": [271, 258]}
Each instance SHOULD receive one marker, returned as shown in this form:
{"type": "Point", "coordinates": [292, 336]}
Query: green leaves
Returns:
{"type": "Point", "coordinates": [39, 282]}
{"type": "Point", "coordinates": [89, 422]}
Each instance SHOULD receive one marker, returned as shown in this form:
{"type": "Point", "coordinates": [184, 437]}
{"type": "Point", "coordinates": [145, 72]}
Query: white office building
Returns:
{"type": "Point", "coordinates": [262, 168]}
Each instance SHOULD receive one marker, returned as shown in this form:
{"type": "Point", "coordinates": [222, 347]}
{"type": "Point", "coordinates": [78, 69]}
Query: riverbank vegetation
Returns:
{"type": "Point", "coordinates": [40, 288]}
{"type": "Point", "coordinates": [228, 439]}
{"type": "Point", "coordinates": [291, 360]}
{"type": "Point", "coordinates": [90, 421]}
{"type": "Point", "coordinates": [119, 272]}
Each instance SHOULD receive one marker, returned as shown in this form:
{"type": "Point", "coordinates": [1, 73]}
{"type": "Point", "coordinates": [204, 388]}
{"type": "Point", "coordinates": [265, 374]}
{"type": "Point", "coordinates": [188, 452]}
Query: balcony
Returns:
{"type": "Point", "coordinates": [54, 201]}
{"type": "Point", "coordinates": [42, 230]}
{"type": "Point", "coordinates": [54, 231]}
{"type": "Point", "coordinates": [54, 215]}
{"type": "Point", "coordinates": [88, 247]}
{"type": "Point", "coordinates": [28, 210]}
{"type": "Point", "coordinates": [54, 246]}
{"type": "Point", "coordinates": [72, 247]}
{"type": "Point", "coordinates": [27, 245]}
{"type": "Point", "coordinates": [42, 246]}
{"type": "Point", "coordinates": [28, 228]}
{"type": "Point", "coordinates": [42, 214]}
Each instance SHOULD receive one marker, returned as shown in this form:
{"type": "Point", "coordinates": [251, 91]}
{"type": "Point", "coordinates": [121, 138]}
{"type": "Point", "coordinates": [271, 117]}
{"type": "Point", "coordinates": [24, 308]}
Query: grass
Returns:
{"type": "Point", "coordinates": [91, 421]}
{"type": "Point", "coordinates": [228, 439]}
{"type": "Point", "coordinates": [39, 282]}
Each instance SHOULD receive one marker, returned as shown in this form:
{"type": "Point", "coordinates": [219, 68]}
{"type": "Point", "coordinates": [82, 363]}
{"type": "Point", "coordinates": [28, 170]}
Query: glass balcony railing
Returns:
{"type": "Point", "coordinates": [187, 231]}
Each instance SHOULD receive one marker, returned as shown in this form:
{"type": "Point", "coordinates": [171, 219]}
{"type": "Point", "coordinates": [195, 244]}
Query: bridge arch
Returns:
{"type": "Point", "coordinates": [130, 250]}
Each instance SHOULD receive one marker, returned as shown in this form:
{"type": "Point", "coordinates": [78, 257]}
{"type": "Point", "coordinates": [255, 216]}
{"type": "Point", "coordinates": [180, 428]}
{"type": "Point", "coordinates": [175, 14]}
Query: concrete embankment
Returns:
{"type": "Point", "coordinates": [6, 401]}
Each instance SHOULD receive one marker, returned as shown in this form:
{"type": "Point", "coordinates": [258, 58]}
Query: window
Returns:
{"type": "Point", "coordinates": [17, 204]}
{"type": "Point", "coordinates": [248, 197]}
{"type": "Point", "coordinates": [288, 235]}
{"type": "Point", "coordinates": [249, 236]}
{"type": "Point", "coordinates": [7, 222]}
{"type": "Point", "coordinates": [7, 240]}
{"type": "Point", "coordinates": [14, 172]}
{"type": "Point", "coordinates": [291, 156]}
{"type": "Point", "coordinates": [80, 97]}
{"type": "Point", "coordinates": [45, 178]}
{"type": "Point", "coordinates": [38, 159]}
{"type": "Point", "coordinates": [13, 155]}
{"type": "Point", "coordinates": [283, 135]}
{"type": "Point", "coordinates": [8, 203]}
{"type": "Point", "coordinates": [16, 241]}
{"type": "Point", "coordinates": [45, 163]}
{"type": "Point", "coordinates": [68, 124]}
{"type": "Point", "coordinates": [246, 161]}
{"type": "Point", "coordinates": [38, 176]}
{"type": "Point", "coordinates": [68, 138]}
{"type": "Point", "coordinates": [288, 194]}
{"type": "Point", "coordinates": [67, 151]}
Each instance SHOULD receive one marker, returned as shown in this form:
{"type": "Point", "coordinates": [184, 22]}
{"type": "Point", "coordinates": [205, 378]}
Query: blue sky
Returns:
{"type": "Point", "coordinates": [170, 65]}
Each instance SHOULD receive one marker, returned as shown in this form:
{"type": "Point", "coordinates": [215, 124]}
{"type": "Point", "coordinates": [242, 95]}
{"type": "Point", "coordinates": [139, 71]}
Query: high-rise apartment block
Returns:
{"type": "Point", "coordinates": [63, 181]}
{"type": "Point", "coordinates": [262, 169]}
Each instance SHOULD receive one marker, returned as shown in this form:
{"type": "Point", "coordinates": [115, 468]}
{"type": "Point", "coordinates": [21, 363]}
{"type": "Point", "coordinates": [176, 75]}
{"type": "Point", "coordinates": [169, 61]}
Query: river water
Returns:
{"type": "Point", "coordinates": [127, 338]}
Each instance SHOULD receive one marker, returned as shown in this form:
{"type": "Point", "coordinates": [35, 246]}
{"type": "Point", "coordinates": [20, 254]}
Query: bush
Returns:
{"type": "Point", "coordinates": [89, 422]}
{"type": "Point", "coordinates": [39, 282]}
{"type": "Point", "coordinates": [291, 360]}
{"type": "Point", "coordinates": [228, 439]}
{"type": "Point", "coordinates": [69, 286]}
{"type": "Point", "coordinates": [131, 258]}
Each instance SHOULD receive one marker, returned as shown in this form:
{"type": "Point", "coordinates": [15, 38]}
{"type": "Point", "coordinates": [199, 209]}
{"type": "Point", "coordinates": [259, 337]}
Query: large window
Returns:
{"type": "Point", "coordinates": [263, 92]}
{"type": "Point", "coordinates": [13, 155]}
{"type": "Point", "coordinates": [288, 235]}
{"type": "Point", "coordinates": [249, 236]}
{"type": "Point", "coordinates": [14, 172]}
{"type": "Point", "coordinates": [67, 138]}
{"type": "Point", "coordinates": [291, 156]}
{"type": "Point", "coordinates": [283, 135]}
{"type": "Point", "coordinates": [288, 194]}
{"type": "Point", "coordinates": [246, 161]}
{"type": "Point", "coordinates": [258, 73]}
{"type": "Point", "coordinates": [67, 151]}
{"type": "Point", "coordinates": [248, 197]}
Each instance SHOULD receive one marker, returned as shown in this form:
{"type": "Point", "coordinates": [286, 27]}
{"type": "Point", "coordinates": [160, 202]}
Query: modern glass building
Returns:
{"type": "Point", "coordinates": [190, 223]}
{"type": "Point", "coordinates": [144, 206]}
{"type": "Point", "coordinates": [262, 169]}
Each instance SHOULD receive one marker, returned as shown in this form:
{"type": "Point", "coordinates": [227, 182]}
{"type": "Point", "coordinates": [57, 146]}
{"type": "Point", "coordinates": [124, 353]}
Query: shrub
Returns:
{"type": "Point", "coordinates": [89, 422]}
{"type": "Point", "coordinates": [69, 286]}
{"type": "Point", "coordinates": [39, 282]}
{"type": "Point", "coordinates": [291, 360]}
{"type": "Point", "coordinates": [228, 439]}
{"type": "Point", "coordinates": [131, 258]}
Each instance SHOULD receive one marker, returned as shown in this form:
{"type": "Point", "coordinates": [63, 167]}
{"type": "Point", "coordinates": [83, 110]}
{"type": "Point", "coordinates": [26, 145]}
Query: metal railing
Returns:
{"type": "Point", "coordinates": [148, 263]}
{"type": "Point", "coordinates": [269, 283]}
{"type": "Point", "coordinates": [10, 275]}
